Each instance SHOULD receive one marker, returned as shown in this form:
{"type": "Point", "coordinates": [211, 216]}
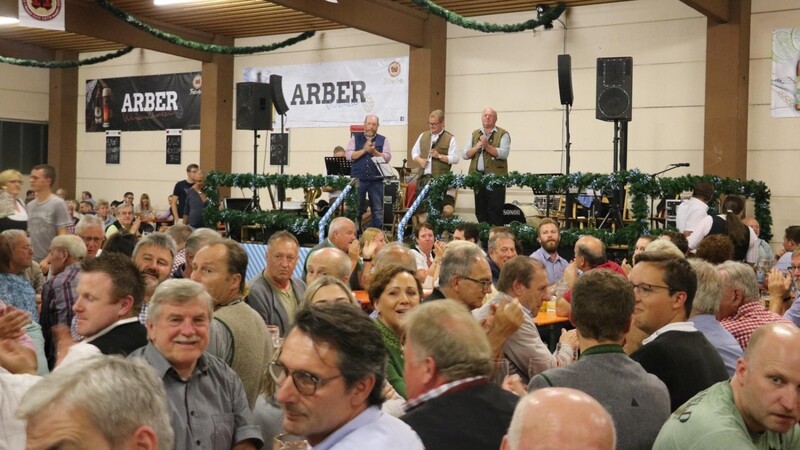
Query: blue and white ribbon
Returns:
{"type": "Point", "coordinates": [402, 225]}
{"type": "Point", "coordinates": [323, 223]}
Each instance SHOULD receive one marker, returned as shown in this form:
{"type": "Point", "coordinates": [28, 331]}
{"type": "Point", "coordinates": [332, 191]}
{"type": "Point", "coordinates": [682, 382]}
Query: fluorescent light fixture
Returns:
{"type": "Point", "coordinates": [332, 1]}
{"type": "Point", "coordinates": [8, 20]}
{"type": "Point", "coordinates": [176, 2]}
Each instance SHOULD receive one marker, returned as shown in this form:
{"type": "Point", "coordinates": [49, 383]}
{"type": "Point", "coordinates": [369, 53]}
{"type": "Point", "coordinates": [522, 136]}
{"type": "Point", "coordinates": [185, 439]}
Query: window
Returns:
{"type": "Point", "coordinates": [22, 145]}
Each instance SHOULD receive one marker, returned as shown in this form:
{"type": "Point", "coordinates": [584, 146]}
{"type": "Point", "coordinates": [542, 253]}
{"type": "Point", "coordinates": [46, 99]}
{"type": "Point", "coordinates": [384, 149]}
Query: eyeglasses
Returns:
{"type": "Point", "coordinates": [644, 290]}
{"type": "Point", "coordinates": [793, 268]}
{"type": "Point", "coordinates": [485, 284]}
{"type": "Point", "coordinates": [304, 382]}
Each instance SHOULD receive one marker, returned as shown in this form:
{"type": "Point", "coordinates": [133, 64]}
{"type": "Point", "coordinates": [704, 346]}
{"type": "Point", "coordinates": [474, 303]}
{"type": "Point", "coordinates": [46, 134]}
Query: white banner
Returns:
{"type": "Point", "coordinates": [341, 93]}
{"type": "Point", "coordinates": [41, 14]}
{"type": "Point", "coordinates": [786, 72]}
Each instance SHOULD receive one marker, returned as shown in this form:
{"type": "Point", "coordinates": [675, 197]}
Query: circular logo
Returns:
{"type": "Point", "coordinates": [394, 69]}
{"type": "Point", "coordinates": [197, 82]}
{"type": "Point", "coordinates": [42, 10]}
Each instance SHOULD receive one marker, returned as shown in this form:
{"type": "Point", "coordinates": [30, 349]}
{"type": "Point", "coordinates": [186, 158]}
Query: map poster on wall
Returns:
{"type": "Point", "coordinates": [113, 139]}
{"type": "Point", "coordinates": [786, 72]}
{"type": "Point", "coordinates": [341, 93]}
{"type": "Point", "coordinates": [155, 102]}
{"type": "Point", "coordinates": [174, 146]}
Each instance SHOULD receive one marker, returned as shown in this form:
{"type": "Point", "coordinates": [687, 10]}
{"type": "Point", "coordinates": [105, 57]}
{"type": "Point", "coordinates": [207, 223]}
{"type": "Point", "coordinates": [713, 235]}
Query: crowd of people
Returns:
{"type": "Point", "coordinates": [156, 339]}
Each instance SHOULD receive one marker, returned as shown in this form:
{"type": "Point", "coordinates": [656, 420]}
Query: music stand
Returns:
{"type": "Point", "coordinates": [547, 194]}
{"type": "Point", "coordinates": [238, 204]}
{"type": "Point", "coordinates": [338, 165]}
{"type": "Point", "coordinates": [384, 169]}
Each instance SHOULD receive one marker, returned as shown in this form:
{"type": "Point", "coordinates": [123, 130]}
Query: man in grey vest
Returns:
{"type": "Point", "coordinates": [488, 150]}
{"type": "Point", "coordinates": [435, 150]}
{"type": "Point", "coordinates": [238, 335]}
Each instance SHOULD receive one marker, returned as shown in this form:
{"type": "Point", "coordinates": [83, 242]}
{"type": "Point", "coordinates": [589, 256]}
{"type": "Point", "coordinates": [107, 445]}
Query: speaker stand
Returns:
{"type": "Point", "coordinates": [282, 190]}
{"type": "Point", "coordinates": [568, 144]}
{"type": "Point", "coordinates": [255, 204]}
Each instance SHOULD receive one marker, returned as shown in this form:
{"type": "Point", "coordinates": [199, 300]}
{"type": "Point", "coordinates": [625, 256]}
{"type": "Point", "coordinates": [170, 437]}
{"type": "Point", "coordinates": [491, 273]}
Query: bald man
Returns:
{"type": "Point", "coordinates": [759, 408]}
{"type": "Point", "coordinates": [559, 418]}
{"type": "Point", "coordinates": [590, 254]}
{"type": "Point", "coordinates": [329, 261]}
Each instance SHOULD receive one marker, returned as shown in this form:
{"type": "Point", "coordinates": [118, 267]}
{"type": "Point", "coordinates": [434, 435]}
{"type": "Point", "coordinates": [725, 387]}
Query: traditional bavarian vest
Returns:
{"type": "Point", "coordinates": [249, 346]}
{"type": "Point", "coordinates": [364, 168]}
{"type": "Point", "coordinates": [442, 146]}
{"type": "Point", "coordinates": [490, 163]}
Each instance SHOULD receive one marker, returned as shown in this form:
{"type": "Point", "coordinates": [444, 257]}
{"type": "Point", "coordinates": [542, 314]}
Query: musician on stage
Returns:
{"type": "Point", "coordinates": [435, 150]}
{"type": "Point", "coordinates": [488, 150]}
{"type": "Point", "coordinates": [361, 149]}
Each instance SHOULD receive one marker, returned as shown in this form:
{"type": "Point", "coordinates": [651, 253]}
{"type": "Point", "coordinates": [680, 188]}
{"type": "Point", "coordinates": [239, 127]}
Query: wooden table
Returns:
{"type": "Point", "coordinates": [544, 319]}
{"type": "Point", "coordinates": [550, 327]}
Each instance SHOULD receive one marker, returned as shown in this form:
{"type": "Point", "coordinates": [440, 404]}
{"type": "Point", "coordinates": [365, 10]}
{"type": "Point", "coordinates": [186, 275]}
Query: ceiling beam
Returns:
{"type": "Point", "coordinates": [21, 50]}
{"type": "Point", "coordinates": [91, 20]}
{"type": "Point", "coordinates": [717, 10]}
{"type": "Point", "coordinates": [379, 17]}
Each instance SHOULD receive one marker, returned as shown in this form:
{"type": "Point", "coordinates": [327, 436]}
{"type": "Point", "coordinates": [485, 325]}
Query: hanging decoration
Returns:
{"type": "Point", "coordinates": [545, 19]}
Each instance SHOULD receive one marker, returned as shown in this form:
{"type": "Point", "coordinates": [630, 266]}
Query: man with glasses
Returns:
{"type": "Point", "coordinates": [276, 294]}
{"type": "Point", "coordinates": [126, 221]}
{"type": "Point", "coordinates": [465, 277]}
{"type": "Point", "coordinates": [435, 151]}
{"type": "Point", "coordinates": [330, 375]}
{"type": "Point", "coordinates": [664, 287]}
{"type": "Point", "coordinates": [207, 403]}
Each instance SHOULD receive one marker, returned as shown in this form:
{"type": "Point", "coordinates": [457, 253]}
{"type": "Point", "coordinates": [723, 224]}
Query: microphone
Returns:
{"type": "Point", "coordinates": [680, 165]}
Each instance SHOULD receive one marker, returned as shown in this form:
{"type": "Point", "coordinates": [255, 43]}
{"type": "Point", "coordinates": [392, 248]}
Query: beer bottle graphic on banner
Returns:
{"type": "Point", "coordinates": [106, 107]}
{"type": "Point", "coordinates": [98, 107]}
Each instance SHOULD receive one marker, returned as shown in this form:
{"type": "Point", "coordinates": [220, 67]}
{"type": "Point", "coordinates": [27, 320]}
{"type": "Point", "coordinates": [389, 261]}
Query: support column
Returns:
{"type": "Point", "coordinates": [62, 132]}
{"type": "Point", "coordinates": [727, 93]}
{"type": "Point", "coordinates": [216, 113]}
{"type": "Point", "coordinates": [426, 80]}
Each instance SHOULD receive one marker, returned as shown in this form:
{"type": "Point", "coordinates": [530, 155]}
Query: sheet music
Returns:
{"type": "Point", "coordinates": [383, 167]}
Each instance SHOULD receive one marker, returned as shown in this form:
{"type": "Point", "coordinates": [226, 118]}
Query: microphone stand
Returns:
{"type": "Point", "coordinates": [653, 177]}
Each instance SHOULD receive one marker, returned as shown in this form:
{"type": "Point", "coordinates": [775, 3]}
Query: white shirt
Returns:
{"type": "Point", "coordinates": [372, 429]}
{"type": "Point", "coordinates": [12, 388]}
{"type": "Point", "coordinates": [689, 214]}
{"type": "Point", "coordinates": [452, 151]}
{"type": "Point", "coordinates": [85, 349]}
{"type": "Point", "coordinates": [675, 326]}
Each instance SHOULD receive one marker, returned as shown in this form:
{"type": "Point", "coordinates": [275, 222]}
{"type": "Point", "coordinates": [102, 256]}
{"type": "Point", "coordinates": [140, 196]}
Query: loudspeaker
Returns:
{"type": "Point", "coordinates": [253, 106]}
{"type": "Point", "coordinates": [614, 88]}
{"type": "Point", "coordinates": [565, 79]}
{"type": "Point", "coordinates": [276, 81]}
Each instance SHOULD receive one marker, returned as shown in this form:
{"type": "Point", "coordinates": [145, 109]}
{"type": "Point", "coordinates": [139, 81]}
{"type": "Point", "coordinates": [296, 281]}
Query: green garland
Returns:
{"type": "Point", "coordinates": [65, 64]}
{"type": "Point", "coordinates": [545, 19]}
{"type": "Point", "coordinates": [210, 48]}
{"type": "Point", "coordinates": [277, 220]}
{"type": "Point", "coordinates": [641, 188]}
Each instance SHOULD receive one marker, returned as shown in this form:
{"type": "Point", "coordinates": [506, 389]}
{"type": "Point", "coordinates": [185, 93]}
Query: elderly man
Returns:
{"type": "Point", "coordinates": [758, 408]}
{"type": "Point", "coordinates": [153, 255]}
{"type": "Point", "coordinates": [764, 250]}
{"type": "Point", "coordinates": [275, 294]}
{"type": "Point", "coordinates": [47, 214]}
{"type": "Point", "coordinates": [238, 335]}
{"type": "Point", "coordinates": [780, 288]}
{"type": "Point", "coordinates": [90, 229]}
{"type": "Point", "coordinates": [330, 375]}
{"type": "Point", "coordinates": [704, 310]}
{"type": "Point", "coordinates": [525, 279]}
{"type": "Point", "coordinates": [361, 148]}
{"type": "Point", "coordinates": [61, 291]}
{"type": "Point", "coordinates": [435, 150]}
{"type": "Point", "coordinates": [590, 254]}
{"type": "Point", "coordinates": [559, 418]}
{"type": "Point", "coordinates": [126, 221]}
{"type": "Point", "coordinates": [451, 403]}
{"type": "Point", "coordinates": [328, 262]}
{"type": "Point", "coordinates": [549, 238]}
{"type": "Point", "coordinates": [502, 247]}
{"type": "Point", "coordinates": [110, 293]}
{"type": "Point", "coordinates": [207, 403]}
{"type": "Point", "coordinates": [466, 278]}
{"type": "Point", "coordinates": [342, 235]}
{"type": "Point", "coordinates": [664, 287]}
{"type": "Point", "coordinates": [104, 402]}
{"type": "Point", "coordinates": [197, 240]}
{"type": "Point", "coordinates": [740, 310]}
{"type": "Point", "coordinates": [488, 150]}
{"type": "Point", "coordinates": [602, 304]}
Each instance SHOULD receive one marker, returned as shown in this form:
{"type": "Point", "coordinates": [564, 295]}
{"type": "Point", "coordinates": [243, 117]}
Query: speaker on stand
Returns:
{"type": "Point", "coordinates": [254, 112]}
{"type": "Point", "coordinates": [276, 91]}
{"type": "Point", "coordinates": [565, 92]}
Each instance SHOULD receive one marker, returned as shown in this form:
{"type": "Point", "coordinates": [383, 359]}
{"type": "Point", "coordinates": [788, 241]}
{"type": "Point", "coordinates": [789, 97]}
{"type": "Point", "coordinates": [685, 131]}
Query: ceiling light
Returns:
{"type": "Point", "coordinates": [332, 1]}
{"type": "Point", "coordinates": [8, 20]}
{"type": "Point", "coordinates": [176, 2]}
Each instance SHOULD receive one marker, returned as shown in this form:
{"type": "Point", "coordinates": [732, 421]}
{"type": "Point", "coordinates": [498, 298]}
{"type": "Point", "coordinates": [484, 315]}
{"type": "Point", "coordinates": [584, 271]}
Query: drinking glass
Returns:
{"type": "Point", "coordinates": [285, 441]}
{"type": "Point", "coordinates": [499, 371]}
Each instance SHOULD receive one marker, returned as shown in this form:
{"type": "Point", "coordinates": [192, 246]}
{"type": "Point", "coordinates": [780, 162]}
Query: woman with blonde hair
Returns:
{"type": "Point", "coordinates": [13, 215]}
{"type": "Point", "coordinates": [327, 290]}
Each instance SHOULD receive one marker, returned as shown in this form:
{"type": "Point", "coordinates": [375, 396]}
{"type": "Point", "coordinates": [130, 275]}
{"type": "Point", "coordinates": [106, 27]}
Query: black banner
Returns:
{"type": "Point", "coordinates": [278, 149]}
{"type": "Point", "coordinates": [147, 103]}
{"type": "Point", "coordinates": [174, 149]}
{"type": "Point", "coordinates": [113, 145]}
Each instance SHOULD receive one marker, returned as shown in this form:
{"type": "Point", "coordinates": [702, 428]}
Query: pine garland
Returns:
{"type": "Point", "coordinates": [69, 64]}
{"type": "Point", "coordinates": [545, 19]}
{"type": "Point", "coordinates": [209, 48]}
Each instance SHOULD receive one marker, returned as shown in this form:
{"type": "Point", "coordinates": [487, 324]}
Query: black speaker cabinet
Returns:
{"type": "Point", "coordinates": [614, 88]}
{"type": "Point", "coordinates": [390, 190]}
{"type": "Point", "coordinates": [565, 79]}
{"type": "Point", "coordinates": [253, 106]}
{"type": "Point", "coordinates": [276, 81]}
